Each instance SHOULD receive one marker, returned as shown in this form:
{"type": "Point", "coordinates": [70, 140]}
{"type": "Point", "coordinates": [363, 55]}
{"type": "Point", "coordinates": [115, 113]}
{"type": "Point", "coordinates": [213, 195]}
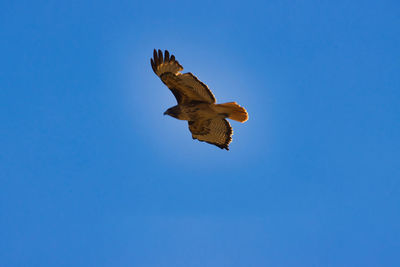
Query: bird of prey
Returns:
{"type": "Point", "coordinates": [196, 103]}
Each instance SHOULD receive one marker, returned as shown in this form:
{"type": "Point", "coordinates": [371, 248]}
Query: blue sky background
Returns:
{"type": "Point", "coordinates": [92, 173]}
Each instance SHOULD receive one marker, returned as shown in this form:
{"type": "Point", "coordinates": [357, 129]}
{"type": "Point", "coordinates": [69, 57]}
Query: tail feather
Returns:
{"type": "Point", "coordinates": [233, 111]}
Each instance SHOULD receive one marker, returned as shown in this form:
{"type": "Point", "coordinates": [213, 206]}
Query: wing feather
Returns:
{"type": "Point", "coordinates": [185, 87]}
{"type": "Point", "coordinates": [201, 89]}
{"type": "Point", "coordinates": [160, 57]}
{"type": "Point", "coordinates": [166, 56]}
{"type": "Point", "coordinates": [216, 131]}
{"type": "Point", "coordinates": [153, 66]}
{"type": "Point", "coordinates": [155, 57]}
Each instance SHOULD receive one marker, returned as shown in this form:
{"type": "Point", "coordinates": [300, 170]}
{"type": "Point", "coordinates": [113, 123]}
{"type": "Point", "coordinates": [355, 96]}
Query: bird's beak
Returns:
{"type": "Point", "coordinates": [165, 113]}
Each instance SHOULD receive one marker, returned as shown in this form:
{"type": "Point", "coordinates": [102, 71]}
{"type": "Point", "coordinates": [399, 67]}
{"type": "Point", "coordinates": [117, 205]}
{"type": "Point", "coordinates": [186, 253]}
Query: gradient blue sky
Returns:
{"type": "Point", "coordinates": [92, 173]}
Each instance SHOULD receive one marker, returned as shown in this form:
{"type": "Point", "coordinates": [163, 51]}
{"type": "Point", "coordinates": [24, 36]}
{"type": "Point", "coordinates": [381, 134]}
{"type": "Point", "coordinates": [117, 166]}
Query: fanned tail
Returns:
{"type": "Point", "coordinates": [233, 111]}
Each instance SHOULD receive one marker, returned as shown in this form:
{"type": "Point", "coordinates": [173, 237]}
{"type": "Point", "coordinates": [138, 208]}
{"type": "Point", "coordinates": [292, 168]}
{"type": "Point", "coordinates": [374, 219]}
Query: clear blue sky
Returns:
{"type": "Point", "coordinates": [93, 174]}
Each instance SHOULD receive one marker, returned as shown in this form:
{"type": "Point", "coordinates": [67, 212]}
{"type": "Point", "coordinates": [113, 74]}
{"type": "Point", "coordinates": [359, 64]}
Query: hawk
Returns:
{"type": "Point", "coordinates": [196, 103]}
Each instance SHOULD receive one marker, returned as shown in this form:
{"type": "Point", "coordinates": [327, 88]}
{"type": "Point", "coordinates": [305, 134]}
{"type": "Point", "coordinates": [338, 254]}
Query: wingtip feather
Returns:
{"type": "Point", "coordinates": [166, 62]}
{"type": "Point", "coordinates": [152, 65]}
{"type": "Point", "coordinates": [166, 56]}
{"type": "Point", "coordinates": [160, 57]}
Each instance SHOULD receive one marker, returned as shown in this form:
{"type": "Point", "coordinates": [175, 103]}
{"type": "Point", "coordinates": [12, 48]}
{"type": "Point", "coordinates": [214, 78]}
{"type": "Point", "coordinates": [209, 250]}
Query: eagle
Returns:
{"type": "Point", "coordinates": [196, 103]}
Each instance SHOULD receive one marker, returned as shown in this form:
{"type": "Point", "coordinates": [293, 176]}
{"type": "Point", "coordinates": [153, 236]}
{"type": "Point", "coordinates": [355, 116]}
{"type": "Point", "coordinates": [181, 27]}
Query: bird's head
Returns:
{"type": "Point", "coordinates": [173, 112]}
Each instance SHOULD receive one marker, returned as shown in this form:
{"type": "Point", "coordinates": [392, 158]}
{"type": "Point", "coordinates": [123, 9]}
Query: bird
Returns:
{"type": "Point", "coordinates": [196, 103]}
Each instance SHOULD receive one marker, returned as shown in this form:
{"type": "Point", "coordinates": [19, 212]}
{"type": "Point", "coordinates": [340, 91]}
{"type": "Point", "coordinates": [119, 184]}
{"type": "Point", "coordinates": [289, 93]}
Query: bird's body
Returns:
{"type": "Point", "coordinates": [196, 103]}
{"type": "Point", "coordinates": [193, 111]}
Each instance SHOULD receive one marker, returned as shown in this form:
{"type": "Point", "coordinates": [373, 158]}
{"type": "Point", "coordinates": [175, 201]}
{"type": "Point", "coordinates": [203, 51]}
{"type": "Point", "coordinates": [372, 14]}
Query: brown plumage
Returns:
{"type": "Point", "coordinates": [196, 103]}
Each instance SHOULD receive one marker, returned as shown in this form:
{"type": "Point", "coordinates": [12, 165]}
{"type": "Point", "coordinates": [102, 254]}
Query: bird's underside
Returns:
{"type": "Point", "coordinates": [196, 103]}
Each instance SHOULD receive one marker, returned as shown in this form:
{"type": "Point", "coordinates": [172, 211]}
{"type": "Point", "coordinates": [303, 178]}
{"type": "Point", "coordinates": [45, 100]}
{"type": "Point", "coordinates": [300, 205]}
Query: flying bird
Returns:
{"type": "Point", "coordinates": [196, 103]}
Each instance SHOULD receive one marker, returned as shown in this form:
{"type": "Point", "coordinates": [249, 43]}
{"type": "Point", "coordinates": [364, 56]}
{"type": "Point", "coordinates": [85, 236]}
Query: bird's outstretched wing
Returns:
{"type": "Point", "coordinates": [216, 131]}
{"type": "Point", "coordinates": [185, 87]}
